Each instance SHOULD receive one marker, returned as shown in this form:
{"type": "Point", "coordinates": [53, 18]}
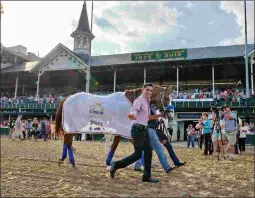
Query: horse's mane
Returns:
{"type": "Point", "coordinates": [132, 94]}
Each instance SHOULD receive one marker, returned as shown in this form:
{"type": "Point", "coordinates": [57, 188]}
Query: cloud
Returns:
{"type": "Point", "coordinates": [132, 22]}
{"type": "Point", "coordinates": [189, 5]}
{"type": "Point", "coordinates": [103, 23]}
{"type": "Point", "coordinates": [211, 22]}
{"type": "Point", "coordinates": [184, 42]}
{"type": "Point", "coordinates": [128, 26]}
{"type": "Point", "coordinates": [237, 9]}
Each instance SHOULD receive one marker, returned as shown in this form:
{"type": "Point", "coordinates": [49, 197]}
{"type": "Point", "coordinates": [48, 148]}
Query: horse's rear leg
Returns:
{"type": "Point", "coordinates": [67, 148]}
{"type": "Point", "coordinates": [114, 146]}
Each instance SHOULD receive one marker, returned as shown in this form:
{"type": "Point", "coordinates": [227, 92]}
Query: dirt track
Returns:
{"type": "Point", "coordinates": [29, 169]}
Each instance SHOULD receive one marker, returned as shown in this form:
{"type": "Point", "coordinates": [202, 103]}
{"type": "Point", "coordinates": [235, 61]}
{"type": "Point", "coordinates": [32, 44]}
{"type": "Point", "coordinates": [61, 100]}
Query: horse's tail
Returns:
{"type": "Point", "coordinates": [58, 118]}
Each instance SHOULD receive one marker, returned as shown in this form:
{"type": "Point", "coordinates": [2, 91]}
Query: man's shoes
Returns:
{"type": "Point", "coordinates": [138, 169]}
{"type": "Point", "coordinates": [170, 169]}
{"type": "Point", "coordinates": [150, 180]}
{"type": "Point", "coordinates": [180, 164]}
{"type": "Point", "coordinates": [112, 170]}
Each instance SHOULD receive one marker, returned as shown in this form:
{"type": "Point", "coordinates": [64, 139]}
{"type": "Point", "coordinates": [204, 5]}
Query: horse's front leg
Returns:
{"type": "Point", "coordinates": [114, 146]}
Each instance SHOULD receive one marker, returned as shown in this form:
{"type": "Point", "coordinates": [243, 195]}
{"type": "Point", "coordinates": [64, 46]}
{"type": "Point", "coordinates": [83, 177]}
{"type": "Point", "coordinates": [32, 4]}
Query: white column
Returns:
{"type": "Point", "coordinates": [88, 80]}
{"type": "Point", "coordinates": [252, 76]}
{"type": "Point", "coordinates": [114, 81]}
{"type": "Point", "coordinates": [246, 54]}
{"type": "Point", "coordinates": [16, 86]}
{"type": "Point", "coordinates": [213, 88]}
{"type": "Point", "coordinates": [38, 83]}
{"type": "Point", "coordinates": [144, 75]}
{"type": "Point", "coordinates": [177, 74]}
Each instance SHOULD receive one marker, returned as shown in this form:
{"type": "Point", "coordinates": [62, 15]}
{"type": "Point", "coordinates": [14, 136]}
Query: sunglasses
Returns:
{"type": "Point", "coordinates": [150, 90]}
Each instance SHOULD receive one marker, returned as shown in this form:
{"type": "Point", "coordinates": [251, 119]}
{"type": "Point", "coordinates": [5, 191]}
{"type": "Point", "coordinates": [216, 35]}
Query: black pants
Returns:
{"type": "Point", "coordinates": [141, 143]}
{"type": "Point", "coordinates": [208, 144]}
{"type": "Point", "coordinates": [201, 140]}
{"type": "Point", "coordinates": [241, 143]}
{"type": "Point", "coordinates": [24, 134]}
{"type": "Point", "coordinates": [79, 137]}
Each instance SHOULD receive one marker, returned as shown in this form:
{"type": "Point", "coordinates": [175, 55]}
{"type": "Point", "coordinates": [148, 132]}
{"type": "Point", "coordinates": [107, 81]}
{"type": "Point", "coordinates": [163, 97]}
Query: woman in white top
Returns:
{"type": "Point", "coordinates": [216, 136]}
{"type": "Point", "coordinates": [243, 131]}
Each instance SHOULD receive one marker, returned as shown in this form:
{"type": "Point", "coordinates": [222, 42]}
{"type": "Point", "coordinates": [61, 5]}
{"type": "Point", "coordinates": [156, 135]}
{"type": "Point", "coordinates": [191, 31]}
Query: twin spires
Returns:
{"type": "Point", "coordinates": [82, 35]}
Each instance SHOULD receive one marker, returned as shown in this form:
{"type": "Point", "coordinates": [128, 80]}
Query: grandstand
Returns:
{"type": "Point", "coordinates": [191, 72]}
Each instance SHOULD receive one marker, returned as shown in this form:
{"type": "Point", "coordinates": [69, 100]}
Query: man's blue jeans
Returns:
{"type": "Point", "coordinates": [191, 138]}
{"type": "Point", "coordinates": [171, 152]}
{"type": "Point", "coordinates": [157, 147]}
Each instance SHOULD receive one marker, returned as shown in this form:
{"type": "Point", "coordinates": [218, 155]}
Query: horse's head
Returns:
{"type": "Point", "coordinates": [159, 97]}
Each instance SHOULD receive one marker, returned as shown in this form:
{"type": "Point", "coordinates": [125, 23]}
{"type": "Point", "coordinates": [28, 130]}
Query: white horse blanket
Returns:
{"type": "Point", "coordinates": [88, 113]}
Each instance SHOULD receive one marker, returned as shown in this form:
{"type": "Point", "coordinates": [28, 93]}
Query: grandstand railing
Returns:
{"type": "Point", "coordinates": [29, 106]}
{"type": "Point", "coordinates": [183, 104]}
{"type": "Point", "coordinates": [208, 104]}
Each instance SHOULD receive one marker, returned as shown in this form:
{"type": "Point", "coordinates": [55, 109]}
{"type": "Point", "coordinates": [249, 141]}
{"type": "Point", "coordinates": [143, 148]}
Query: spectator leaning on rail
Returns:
{"type": "Point", "coordinates": [231, 128]}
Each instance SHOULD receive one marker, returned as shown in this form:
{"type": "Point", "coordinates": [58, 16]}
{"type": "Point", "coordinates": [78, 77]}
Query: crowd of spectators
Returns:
{"type": "Point", "coordinates": [233, 94]}
{"type": "Point", "coordinates": [29, 98]}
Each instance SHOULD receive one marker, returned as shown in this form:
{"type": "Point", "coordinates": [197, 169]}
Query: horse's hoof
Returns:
{"type": "Point", "coordinates": [60, 162]}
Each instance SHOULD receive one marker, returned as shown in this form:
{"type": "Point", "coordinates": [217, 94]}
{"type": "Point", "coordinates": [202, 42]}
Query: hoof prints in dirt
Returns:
{"type": "Point", "coordinates": [33, 171]}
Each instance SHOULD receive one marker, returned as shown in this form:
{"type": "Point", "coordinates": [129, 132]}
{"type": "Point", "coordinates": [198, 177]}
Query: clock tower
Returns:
{"type": "Point", "coordinates": [82, 36]}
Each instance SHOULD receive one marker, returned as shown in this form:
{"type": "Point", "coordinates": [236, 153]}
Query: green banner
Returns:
{"type": "Point", "coordinates": [157, 55]}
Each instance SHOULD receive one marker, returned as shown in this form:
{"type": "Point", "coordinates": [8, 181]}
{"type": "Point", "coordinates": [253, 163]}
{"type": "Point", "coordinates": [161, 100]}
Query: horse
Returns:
{"type": "Point", "coordinates": [77, 111]}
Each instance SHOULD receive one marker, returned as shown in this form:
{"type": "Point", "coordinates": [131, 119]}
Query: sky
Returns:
{"type": "Point", "coordinates": [127, 26]}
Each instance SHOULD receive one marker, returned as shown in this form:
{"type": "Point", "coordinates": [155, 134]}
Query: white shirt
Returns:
{"type": "Point", "coordinates": [243, 131]}
{"type": "Point", "coordinates": [222, 123]}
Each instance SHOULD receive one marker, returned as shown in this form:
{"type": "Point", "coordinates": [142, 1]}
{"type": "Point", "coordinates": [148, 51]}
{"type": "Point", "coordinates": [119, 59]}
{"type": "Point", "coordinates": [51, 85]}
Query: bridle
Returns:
{"type": "Point", "coordinates": [162, 95]}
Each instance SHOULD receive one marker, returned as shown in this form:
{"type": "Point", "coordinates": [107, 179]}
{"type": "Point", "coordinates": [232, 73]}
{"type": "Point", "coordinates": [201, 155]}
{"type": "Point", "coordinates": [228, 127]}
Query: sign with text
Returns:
{"type": "Point", "coordinates": [194, 116]}
{"type": "Point", "coordinates": [158, 55]}
{"type": "Point", "coordinates": [194, 100]}
{"type": "Point", "coordinates": [191, 116]}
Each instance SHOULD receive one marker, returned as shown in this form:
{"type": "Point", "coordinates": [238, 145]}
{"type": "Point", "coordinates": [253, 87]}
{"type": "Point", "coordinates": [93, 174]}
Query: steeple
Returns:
{"type": "Point", "coordinates": [82, 35]}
